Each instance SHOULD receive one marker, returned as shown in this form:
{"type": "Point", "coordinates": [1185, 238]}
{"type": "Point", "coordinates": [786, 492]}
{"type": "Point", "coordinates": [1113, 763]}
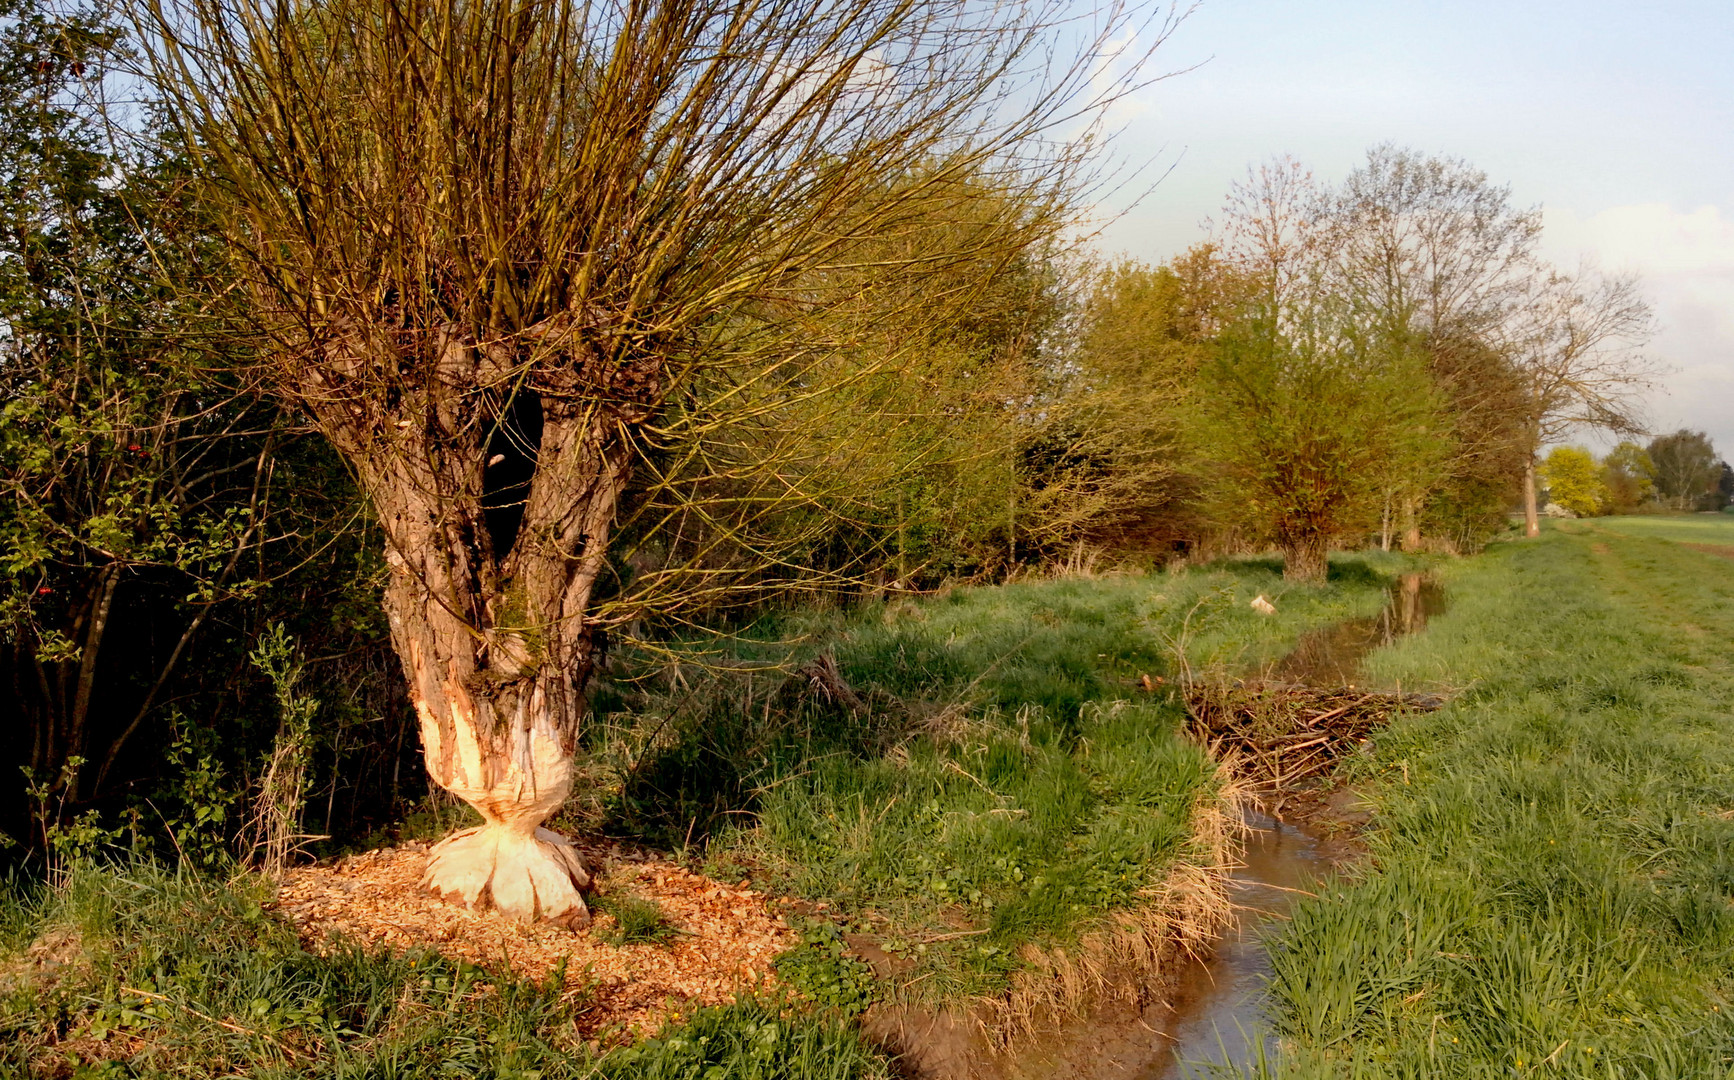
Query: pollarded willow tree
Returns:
{"type": "Point", "coordinates": [1435, 258]}
{"type": "Point", "coordinates": [514, 256]}
{"type": "Point", "coordinates": [1302, 398]}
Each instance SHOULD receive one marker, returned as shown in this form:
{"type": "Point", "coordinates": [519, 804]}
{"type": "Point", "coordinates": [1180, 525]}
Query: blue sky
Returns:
{"type": "Point", "coordinates": [1616, 119]}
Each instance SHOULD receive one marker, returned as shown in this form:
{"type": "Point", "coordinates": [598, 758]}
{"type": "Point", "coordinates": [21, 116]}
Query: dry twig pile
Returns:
{"type": "Point", "coordinates": [1285, 733]}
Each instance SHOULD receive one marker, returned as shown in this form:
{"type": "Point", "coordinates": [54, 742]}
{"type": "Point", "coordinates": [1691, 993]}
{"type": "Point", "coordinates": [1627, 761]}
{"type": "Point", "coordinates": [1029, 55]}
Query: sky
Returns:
{"type": "Point", "coordinates": [1617, 120]}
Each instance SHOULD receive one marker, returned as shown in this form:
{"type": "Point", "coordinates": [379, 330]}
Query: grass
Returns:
{"type": "Point", "coordinates": [637, 921]}
{"type": "Point", "coordinates": [176, 975]}
{"type": "Point", "coordinates": [1007, 782]}
{"type": "Point", "coordinates": [996, 785]}
{"type": "Point", "coordinates": [1554, 892]}
{"type": "Point", "coordinates": [1713, 529]}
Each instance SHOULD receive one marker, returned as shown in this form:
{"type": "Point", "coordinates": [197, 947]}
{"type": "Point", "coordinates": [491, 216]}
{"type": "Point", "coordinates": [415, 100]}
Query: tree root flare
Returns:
{"type": "Point", "coordinates": [523, 875]}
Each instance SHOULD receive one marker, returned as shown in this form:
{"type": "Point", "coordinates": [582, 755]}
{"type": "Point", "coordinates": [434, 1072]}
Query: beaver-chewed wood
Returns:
{"type": "Point", "coordinates": [1286, 733]}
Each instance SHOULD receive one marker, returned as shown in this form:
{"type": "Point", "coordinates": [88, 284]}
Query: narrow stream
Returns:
{"type": "Point", "coordinates": [1215, 1012]}
{"type": "Point", "coordinates": [1219, 1004]}
{"type": "Point", "coordinates": [1331, 655]}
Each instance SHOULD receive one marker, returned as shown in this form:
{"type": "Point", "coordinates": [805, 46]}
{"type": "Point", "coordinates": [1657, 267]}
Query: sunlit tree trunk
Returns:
{"type": "Point", "coordinates": [1531, 521]}
{"type": "Point", "coordinates": [496, 512]}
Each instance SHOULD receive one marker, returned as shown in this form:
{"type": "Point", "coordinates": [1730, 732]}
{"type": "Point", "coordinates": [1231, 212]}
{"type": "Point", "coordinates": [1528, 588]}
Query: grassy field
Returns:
{"type": "Point", "coordinates": [1713, 529]}
{"type": "Point", "coordinates": [1554, 852]}
{"type": "Point", "coordinates": [1005, 780]}
{"type": "Point", "coordinates": [1012, 783]}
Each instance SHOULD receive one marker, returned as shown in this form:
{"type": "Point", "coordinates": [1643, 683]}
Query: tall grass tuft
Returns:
{"type": "Point", "coordinates": [1555, 850]}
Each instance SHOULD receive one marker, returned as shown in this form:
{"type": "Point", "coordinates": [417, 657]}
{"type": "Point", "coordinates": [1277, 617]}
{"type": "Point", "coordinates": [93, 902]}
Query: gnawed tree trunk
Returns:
{"type": "Point", "coordinates": [496, 483]}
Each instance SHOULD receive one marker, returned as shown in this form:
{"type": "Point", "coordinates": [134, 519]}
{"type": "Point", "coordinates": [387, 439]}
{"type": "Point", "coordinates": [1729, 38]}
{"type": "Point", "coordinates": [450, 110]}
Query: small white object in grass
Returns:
{"type": "Point", "coordinates": [1263, 606]}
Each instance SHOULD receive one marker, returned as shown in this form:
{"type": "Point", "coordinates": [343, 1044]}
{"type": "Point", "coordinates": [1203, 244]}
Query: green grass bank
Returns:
{"type": "Point", "coordinates": [1553, 882]}
{"type": "Point", "coordinates": [1000, 787]}
{"type": "Point", "coordinates": [1715, 530]}
{"type": "Point", "coordinates": [1008, 788]}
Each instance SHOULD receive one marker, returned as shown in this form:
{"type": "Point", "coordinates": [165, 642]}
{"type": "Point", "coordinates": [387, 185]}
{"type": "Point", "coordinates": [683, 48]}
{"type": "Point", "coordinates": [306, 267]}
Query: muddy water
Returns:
{"type": "Point", "coordinates": [1331, 655]}
{"type": "Point", "coordinates": [1219, 1005]}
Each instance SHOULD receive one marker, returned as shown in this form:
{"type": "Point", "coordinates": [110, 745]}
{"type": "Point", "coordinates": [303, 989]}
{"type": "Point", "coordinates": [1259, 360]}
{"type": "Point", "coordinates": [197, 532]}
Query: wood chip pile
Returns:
{"type": "Point", "coordinates": [1285, 733]}
{"type": "Point", "coordinates": [726, 936]}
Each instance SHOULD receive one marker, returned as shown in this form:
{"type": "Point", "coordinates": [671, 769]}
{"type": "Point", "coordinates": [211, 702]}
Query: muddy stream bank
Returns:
{"type": "Point", "coordinates": [1213, 1011]}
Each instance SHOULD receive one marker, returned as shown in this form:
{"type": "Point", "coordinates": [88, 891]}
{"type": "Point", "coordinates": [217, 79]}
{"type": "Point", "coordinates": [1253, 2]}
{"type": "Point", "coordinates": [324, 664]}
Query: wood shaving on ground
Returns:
{"type": "Point", "coordinates": [726, 936]}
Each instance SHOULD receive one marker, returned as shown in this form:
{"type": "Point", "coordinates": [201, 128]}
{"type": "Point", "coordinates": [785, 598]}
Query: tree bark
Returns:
{"type": "Point", "coordinates": [1531, 520]}
{"type": "Point", "coordinates": [1304, 558]}
{"type": "Point", "coordinates": [490, 587]}
{"type": "Point", "coordinates": [1411, 523]}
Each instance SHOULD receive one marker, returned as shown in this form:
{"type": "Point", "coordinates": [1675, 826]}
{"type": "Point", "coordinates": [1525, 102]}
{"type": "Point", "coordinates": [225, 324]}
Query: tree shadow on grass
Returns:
{"type": "Point", "coordinates": [1345, 569]}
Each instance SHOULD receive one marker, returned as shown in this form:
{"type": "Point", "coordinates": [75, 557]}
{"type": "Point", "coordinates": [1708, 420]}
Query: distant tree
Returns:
{"type": "Point", "coordinates": [1358, 382]}
{"type": "Point", "coordinates": [1577, 342]}
{"type": "Point", "coordinates": [1574, 481]}
{"type": "Point", "coordinates": [1629, 476]}
{"type": "Point", "coordinates": [1481, 417]}
{"type": "Point", "coordinates": [1432, 256]}
{"type": "Point", "coordinates": [1687, 469]}
{"type": "Point", "coordinates": [1301, 401]}
{"type": "Point", "coordinates": [1109, 462]}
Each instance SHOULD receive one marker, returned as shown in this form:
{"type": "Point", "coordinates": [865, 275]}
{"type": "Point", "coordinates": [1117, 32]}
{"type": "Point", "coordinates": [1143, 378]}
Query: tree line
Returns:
{"type": "Point", "coordinates": [1679, 471]}
{"type": "Point", "coordinates": [559, 325]}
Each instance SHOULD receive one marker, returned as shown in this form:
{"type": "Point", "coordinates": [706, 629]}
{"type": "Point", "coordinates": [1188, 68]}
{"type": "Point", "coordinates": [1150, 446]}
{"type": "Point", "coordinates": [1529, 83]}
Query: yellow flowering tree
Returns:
{"type": "Point", "coordinates": [1574, 481]}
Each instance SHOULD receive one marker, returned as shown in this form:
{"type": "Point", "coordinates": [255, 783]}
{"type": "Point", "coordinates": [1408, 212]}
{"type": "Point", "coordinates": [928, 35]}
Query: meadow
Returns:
{"type": "Point", "coordinates": [990, 769]}
{"type": "Point", "coordinates": [1549, 891]}
{"type": "Point", "coordinates": [1552, 891]}
{"type": "Point", "coordinates": [1714, 529]}
{"type": "Point", "coordinates": [1012, 773]}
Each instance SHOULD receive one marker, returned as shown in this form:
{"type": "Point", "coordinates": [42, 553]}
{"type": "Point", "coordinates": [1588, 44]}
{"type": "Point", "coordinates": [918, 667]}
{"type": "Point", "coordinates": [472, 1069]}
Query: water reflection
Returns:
{"type": "Point", "coordinates": [1331, 655]}
{"type": "Point", "coordinates": [1219, 1013]}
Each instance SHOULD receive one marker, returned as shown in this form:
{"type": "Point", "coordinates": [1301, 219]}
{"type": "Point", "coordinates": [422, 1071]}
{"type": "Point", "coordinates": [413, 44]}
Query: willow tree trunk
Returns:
{"type": "Point", "coordinates": [496, 506]}
{"type": "Point", "coordinates": [498, 729]}
{"type": "Point", "coordinates": [1411, 523]}
{"type": "Point", "coordinates": [1531, 521]}
{"type": "Point", "coordinates": [1305, 557]}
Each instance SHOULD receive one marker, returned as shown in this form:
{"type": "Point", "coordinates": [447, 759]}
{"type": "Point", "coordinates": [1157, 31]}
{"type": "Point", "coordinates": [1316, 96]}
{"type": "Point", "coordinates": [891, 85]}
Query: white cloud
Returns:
{"type": "Point", "coordinates": [1685, 259]}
